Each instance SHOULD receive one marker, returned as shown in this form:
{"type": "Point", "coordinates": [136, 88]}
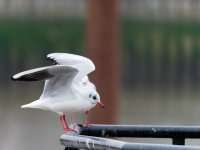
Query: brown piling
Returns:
{"type": "Point", "coordinates": [103, 49]}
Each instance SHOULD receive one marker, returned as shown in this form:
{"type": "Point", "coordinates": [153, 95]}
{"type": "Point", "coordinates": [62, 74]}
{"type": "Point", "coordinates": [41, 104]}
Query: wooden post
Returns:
{"type": "Point", "coordinates": [103, 49]}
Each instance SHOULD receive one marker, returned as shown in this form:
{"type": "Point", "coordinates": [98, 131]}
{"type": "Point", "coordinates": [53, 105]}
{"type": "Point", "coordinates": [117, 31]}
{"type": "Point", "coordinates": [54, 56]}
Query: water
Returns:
{"type": "Point", "coordinates": [37, 129]}
{"type": "Point", "coordinates": [161, 107]}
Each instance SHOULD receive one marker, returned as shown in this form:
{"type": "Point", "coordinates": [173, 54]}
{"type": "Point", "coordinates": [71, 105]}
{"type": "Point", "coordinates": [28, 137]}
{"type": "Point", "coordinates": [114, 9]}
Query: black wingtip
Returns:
{"type": "Point", "coordinates": [13, 79]}
{"type": "Point", "coordinates": [51, 60]}
{"type": "Point", "coordinates": [23, 79]}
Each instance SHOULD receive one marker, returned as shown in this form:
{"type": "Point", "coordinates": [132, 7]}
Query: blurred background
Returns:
{"type": "Point", "coordinates": [159, 64]}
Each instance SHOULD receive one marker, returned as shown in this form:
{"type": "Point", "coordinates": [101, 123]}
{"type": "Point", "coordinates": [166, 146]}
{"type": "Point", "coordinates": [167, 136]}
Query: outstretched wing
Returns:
{"type": "Point", "coordinates": [83, 64]}
{"type": "Point", "coordinates": [58, 78]}
{"type": "Point", "coordinates": [44, 73]}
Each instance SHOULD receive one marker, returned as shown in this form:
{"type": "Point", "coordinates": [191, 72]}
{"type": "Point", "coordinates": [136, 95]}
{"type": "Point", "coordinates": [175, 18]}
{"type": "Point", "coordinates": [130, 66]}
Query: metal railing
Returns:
{"type": "Point", "coordinates": [94, 137]}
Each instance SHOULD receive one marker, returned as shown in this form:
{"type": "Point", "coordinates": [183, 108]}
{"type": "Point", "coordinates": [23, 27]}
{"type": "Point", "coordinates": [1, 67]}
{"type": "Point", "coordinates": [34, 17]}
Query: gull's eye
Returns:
{"type": "Point", "coordinates": [94, 97]}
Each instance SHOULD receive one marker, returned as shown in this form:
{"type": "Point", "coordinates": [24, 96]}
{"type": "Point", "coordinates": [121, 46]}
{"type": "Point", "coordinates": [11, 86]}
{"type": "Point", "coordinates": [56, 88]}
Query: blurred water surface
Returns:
{"type": "Point", "coordinates": [161, 107]}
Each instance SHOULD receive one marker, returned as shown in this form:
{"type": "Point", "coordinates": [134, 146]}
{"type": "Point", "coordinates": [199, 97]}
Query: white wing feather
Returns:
{"type": "Point", "coordinates": [83, 64]}
{"type": "Point", "coordinates": [58, 79]}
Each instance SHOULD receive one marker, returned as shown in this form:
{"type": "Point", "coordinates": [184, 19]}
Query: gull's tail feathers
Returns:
{"type": "Point", "coordinates": [35, 104]}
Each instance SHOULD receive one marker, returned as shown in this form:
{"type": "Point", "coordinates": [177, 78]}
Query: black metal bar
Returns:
{"type": "Point", "coordinates": [70, 148]}
{"type": "Point", "coordinates": [88, 142]}
{"type": "Point", "coordinates": [178, 141]}
{"type": "Point", "coordinates": [174, 132]}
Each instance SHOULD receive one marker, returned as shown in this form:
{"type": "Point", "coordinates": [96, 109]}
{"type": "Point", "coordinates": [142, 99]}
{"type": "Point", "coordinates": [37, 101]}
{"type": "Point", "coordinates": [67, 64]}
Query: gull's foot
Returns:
{"type": "Point", "coordinates": [86, 125]}
{"type": "Point", "coordinates": [69, 130]}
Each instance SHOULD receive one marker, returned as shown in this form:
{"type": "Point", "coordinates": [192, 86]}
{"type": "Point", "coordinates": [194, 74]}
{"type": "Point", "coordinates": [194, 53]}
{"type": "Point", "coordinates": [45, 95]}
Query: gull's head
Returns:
{"type": "Point", "coordinates": [94, 98]}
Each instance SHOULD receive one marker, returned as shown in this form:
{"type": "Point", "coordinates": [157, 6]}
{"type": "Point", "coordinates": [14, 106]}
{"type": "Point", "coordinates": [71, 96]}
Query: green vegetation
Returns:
{"type": "Point", "coordinates": [34, 39]}
{"type": "Point", "coordinates": [154, 53]}
{"type": "Point", "coordinates": [161, 54]}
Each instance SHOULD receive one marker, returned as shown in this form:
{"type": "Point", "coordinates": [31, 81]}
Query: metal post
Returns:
{"type": "Point", "coordinates": [103, 49]}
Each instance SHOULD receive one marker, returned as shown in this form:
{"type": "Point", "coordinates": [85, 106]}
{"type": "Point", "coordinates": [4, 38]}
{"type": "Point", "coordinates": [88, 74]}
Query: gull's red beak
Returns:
{"type": "Point", "coordinates": [101, 105]}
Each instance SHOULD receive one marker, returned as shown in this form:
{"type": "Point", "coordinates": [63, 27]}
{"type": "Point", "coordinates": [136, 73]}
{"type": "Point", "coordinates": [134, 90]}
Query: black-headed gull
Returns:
{"type": "Point", "coordinates": [67, 87]}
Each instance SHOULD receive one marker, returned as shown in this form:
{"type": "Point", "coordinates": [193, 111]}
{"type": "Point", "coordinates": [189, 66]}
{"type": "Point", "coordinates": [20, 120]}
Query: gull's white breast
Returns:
{"type": "Point", "coordinates": [69, 106]}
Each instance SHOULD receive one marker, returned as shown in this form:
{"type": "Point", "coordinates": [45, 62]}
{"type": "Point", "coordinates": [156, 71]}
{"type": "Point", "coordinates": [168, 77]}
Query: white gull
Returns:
{"type": "Point", "coordinates": [67, 87]}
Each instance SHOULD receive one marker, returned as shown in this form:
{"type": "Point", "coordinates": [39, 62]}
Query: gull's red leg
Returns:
{"type": "Point", "coordinates": [86, 124]}
{"type": "Point", "coordinates": [61, 121]}
{"type": "Point", "coordinates": [64, 124]}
